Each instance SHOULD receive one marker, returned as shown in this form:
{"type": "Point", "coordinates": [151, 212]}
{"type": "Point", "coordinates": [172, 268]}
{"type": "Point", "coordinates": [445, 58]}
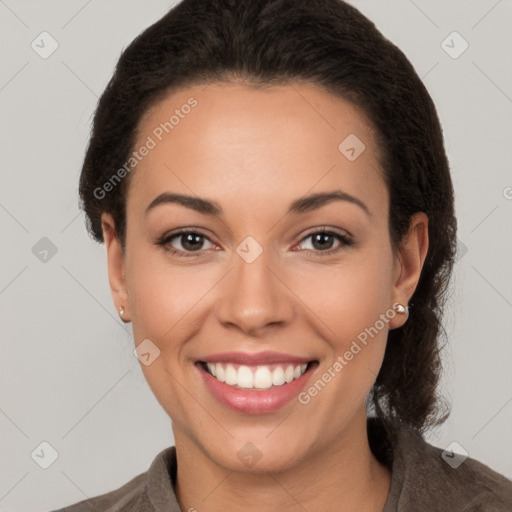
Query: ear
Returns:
{"type": "Point", "coordinates": [116, 264]}
{"type": "Point", "coordinates": [409, 263]}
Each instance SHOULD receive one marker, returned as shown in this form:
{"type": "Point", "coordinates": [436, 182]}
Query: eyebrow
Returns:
{"type": "Point", "coordinates": [301, 205]}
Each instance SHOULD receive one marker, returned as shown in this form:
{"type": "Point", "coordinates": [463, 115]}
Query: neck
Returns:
{"type": "Point", "coordinates": [340, 475]}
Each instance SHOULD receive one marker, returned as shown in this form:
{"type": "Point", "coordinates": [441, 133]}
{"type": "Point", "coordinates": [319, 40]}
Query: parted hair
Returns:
{"type": "Point", "coordinates": [328, 43]}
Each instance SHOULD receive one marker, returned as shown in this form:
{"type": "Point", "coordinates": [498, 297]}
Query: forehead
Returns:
{"type": "Point", "coordinates": [244, 144]}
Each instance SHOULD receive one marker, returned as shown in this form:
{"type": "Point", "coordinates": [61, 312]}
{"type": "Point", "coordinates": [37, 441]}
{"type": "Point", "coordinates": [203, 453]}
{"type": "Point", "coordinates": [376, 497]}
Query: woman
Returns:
{"type": "Point", "coordinates": [270, 182]}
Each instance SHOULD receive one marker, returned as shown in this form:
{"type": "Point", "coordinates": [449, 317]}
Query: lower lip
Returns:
{"type": "Point", "coordinates": [251, 401]}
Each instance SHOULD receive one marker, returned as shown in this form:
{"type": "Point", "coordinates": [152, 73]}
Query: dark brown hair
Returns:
{"type": "Point", "coordinates": [323, 42]}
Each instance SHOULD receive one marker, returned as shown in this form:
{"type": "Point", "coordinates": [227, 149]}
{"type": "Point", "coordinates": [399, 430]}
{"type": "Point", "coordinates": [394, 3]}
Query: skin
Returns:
{"type": "Point", "coordinates": [254, 151]}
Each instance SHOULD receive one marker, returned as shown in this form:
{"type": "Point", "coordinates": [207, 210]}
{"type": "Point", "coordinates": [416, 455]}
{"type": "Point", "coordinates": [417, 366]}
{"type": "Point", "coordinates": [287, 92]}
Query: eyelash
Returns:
{"type": "Point", "coordinates": [164, 242]}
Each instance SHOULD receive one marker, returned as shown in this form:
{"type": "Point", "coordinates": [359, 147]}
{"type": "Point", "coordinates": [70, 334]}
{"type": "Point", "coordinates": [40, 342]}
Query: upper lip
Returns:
{"type": "Point", "coordinates": [259, 358]}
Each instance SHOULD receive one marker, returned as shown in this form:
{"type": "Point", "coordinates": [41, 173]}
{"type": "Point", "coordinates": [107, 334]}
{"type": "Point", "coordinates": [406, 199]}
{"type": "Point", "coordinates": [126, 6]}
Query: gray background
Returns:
{"type": "Point", "coordinates": [68, 374]}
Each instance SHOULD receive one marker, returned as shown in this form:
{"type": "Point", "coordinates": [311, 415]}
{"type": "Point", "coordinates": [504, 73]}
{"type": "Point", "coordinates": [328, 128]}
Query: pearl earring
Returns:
{"type": "Point", "coordinates": [401, 309]}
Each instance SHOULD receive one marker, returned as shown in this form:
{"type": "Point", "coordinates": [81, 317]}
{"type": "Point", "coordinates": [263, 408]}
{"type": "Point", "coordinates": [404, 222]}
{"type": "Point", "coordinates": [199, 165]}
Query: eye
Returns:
{"type": "Point", "coordinates": [191, 242]}
{"type": "Point", "coordinates": [322, 242]}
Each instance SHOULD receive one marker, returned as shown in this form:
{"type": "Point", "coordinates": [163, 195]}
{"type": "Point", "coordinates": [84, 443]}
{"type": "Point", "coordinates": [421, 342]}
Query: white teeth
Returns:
{"type": "Point", "coordinates": [278, 376]}
{"type": "Point", "coordinates": [289, 374]}
{"type": "Point", "coordinates": [255, 377]}
{"type": "Point", "coordinates": [263, 378]}
{"type": "Point", "coordinates": [212, 369]}
{"type": "Point", "coordinates": [231, 375]}
{"type": "Point", "coordinates": [245, 378]}
{"type": "Point", "coordinates": [219, 372]}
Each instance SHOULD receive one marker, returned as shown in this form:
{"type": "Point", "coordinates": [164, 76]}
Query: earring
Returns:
{"type": "Point", "coordinates": [120, 309]}
{"type": "Point", "coordinates": [401, 309]}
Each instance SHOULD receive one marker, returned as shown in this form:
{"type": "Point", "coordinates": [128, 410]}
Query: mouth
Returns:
{"type": "Point", "coordinates": [255, 387]}
{"type": "Point", "coordinates": [257, 378]}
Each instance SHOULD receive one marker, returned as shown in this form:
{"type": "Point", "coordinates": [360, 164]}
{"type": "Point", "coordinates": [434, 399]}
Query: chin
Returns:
{"type": "Point", "coordinates": [260, 452]}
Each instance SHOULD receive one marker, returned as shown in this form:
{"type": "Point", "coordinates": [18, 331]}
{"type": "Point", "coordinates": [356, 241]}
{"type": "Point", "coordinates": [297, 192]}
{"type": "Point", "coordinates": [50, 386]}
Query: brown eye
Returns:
{"type": "Point", "coordinates": [191, 241]}
{"type": "Point", "coordinates": [184, 243]}
{"type": "Point", "coordinates": [324, 242]}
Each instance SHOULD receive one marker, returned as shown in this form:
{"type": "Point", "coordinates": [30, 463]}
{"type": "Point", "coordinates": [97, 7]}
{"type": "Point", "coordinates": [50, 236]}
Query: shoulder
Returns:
{"type": "Point", "coordinates": [433, 479]}
{"type": "Point", "coordinates": [130, 497]}
{"type": "Point", "coordinates": [139, 494]}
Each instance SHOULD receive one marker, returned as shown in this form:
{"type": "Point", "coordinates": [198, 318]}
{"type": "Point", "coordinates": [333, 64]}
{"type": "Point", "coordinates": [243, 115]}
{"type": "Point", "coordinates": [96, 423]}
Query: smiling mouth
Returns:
{"type": "Point", "coordinates": [256, 377]}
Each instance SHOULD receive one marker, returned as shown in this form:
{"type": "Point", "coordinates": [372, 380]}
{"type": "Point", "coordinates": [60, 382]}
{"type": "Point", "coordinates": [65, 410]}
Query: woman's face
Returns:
{"type": "Point", "coordinates": [294, 321]}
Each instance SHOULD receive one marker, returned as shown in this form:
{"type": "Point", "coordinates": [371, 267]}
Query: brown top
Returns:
{"type": "Point", "coordinates": [421, 480]}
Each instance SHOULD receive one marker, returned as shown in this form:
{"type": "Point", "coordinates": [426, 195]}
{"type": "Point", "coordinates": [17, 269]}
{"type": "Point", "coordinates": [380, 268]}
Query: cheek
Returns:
{"type": "Point", "coordinates": [348, 297]}
{"type": "Point", "coordinates": [165, 301]}
{"type": "Point", "coordinates": [352, 309]}
{"type": "Point", "coordinates": [165, 298]}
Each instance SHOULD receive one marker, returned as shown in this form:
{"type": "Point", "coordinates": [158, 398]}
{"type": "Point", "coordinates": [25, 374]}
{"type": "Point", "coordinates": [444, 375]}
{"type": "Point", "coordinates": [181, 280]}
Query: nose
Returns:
{"type": "Point", "coordinates": [253, 298]}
